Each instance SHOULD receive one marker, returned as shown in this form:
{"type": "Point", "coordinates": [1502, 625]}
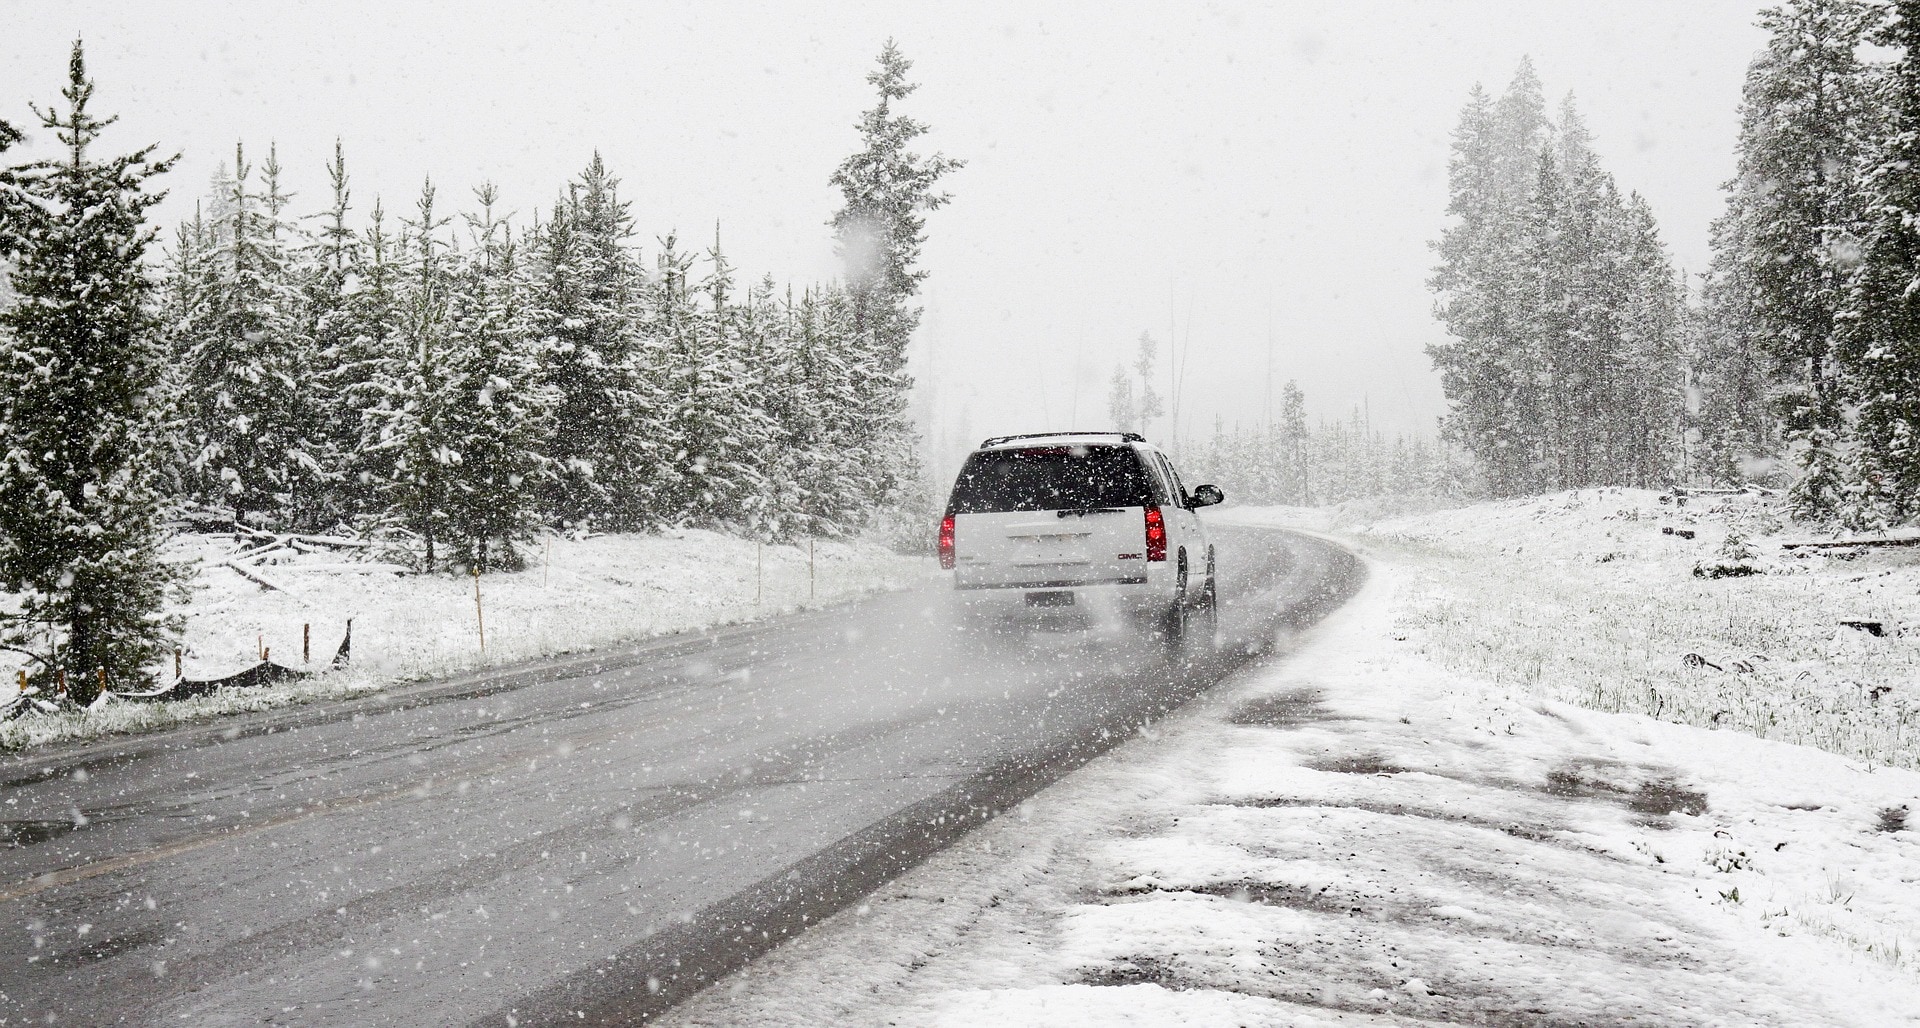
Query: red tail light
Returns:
{"type": "Point", "coordinates": [1156, 534]}
{"type": "Point", "coordinates": [946, 543]}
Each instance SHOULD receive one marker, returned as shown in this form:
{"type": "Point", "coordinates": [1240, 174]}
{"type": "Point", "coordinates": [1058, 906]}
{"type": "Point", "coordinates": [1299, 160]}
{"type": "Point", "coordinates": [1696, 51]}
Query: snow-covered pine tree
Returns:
{"type": "Point", "coordinates": [1122, 406]}
{"type": "Point", "coordinates": [184, 278]}
{"type": "Point", "coordinates": [372, 352]}
{"type": "Point", "coordinates": [1147, 405]}
{"type": "Point", "coordinates": [1730, 378]}
{"type": "Point", "coordinates": [822, 423]}
{"type": "Point", "coordinates": [414, 391]}
{"type": "Point", "coordinates": [1809, 113]}
{"type": "Point", "coordinates": [80, 514]}
{"type": "Point", "coordinates": [346, 349]}
{"type": "Point", "coordinates": [1584, 242]}
{"type": "Point", "coordinates": [497, 413]}
{"type": "Point", "coordinates": [586, 300]}
{"type": "Point", "coordinates": [250, 363]}
{"type": "Point", "coordinates": [702, 397]}
{"type": "Point", "coordinates": [1493, 172]}
{"type": "Point", "coordinates": [1881, 321]}
{"type": "Point", "coordinates": [886, 190]}
{"type": "Point", "coordinates": [1295, 486]}
{"type": "Point", "coordinates": [1646, 400]}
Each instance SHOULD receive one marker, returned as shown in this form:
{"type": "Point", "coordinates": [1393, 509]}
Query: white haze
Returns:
{"type": "Point", "coordinates": [1207, 170]}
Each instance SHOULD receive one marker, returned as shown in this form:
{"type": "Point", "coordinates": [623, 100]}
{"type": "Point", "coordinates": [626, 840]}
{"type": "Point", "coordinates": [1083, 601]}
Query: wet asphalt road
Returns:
{"type": "Point", "coordinates": [579, 841]}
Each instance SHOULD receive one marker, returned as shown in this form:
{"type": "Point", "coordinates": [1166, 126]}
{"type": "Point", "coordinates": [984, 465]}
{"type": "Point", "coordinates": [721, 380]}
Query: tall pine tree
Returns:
{"type": "Point", "coordinates": [80, 514]}
{"type": "Point", "coordinates": [886, 190]}
{"type": "Point", "coordinates": [1880, 339]}
{"type": "Point", "coordinates": [1790, 235]}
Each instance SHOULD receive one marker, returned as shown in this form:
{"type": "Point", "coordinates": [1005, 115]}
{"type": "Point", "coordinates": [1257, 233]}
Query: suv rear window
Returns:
{"type": "Point", "coordinates": [1050, 478]}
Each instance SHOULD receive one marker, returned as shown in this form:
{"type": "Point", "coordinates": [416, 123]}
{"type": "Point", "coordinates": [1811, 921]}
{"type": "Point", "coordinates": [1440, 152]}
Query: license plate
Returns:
{"type": "Point", "coordinates": [1051, 599]}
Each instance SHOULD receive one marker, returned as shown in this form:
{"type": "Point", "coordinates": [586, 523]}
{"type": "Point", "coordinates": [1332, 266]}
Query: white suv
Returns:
{"type": "Point", "coordinates": [1092, 526]}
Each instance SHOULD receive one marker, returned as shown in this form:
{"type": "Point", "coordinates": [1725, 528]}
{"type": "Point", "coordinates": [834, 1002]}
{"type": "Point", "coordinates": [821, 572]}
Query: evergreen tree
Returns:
{"type": "Point", "coordinates": [1790, 235]}
{"type": "Point", "coordinates": [497, 410]}
{"type": "Point", "coordinates": [886, 190]}
{"type": "Point", "coordinates": [1490, 385]}
{"type": "Point", "coordinates": [586, 304]}
{"type": "Point", "coordinates": [1882, 320]}
{"type": "Point", "coordinates": [1562, 366]}
{"type": "Point", "coordinates": [80, 515]}
{"type": "Point", "coordinates": [1294, 486]}
{"type": "Point", "coordinates": [414, 392]}
{"type": "Point", "coordinates": [347, 347]}
{"type": "Point", "coordinates": [704, 396]}
{"type": "Point", "coordinates": [250, 361]}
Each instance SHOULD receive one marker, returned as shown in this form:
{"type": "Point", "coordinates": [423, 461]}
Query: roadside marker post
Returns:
{"type": "Point", "coordinates": [479, 614]}
{"type": "Point", "coordinates": [306, 643]}
{"type": "Point", "coordinates": [810, 579]}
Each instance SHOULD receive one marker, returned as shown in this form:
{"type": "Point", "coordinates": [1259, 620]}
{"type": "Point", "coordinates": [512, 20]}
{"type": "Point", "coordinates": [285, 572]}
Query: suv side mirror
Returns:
{"type": "Point", "coordinates": [1207, 496]}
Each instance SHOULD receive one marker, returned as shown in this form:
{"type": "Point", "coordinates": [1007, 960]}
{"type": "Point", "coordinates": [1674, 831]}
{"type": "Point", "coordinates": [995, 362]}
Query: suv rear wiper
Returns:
{"type": "Point", "coordinates": [1084, 511]}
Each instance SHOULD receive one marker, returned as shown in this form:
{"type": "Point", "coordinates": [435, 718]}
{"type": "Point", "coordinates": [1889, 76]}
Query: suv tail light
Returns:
{"type": "Point", "coordinates": [1156, 534]}
{"type": "Point", "coordinates": [946, 543]}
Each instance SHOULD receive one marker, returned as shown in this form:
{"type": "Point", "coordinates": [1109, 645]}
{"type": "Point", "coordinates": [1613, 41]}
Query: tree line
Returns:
{"type": "Point", "coordinates": [1293, 462]}
{"type": "Point", "coordinates": [1808, 333]}
{"type": "Point", "coordinates": [1573, 356]}
{"type": "Point", "coordinates": [453, 380]}
{"type": "Point", "coordinates": [1566, 320]}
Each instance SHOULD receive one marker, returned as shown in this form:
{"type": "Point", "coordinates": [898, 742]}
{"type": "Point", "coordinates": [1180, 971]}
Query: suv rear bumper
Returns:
{"type": "Point", "coordinates": [1090, 602]}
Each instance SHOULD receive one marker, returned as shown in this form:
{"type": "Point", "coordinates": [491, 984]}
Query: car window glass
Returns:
{"type": "Point", "coordinates": [1050, 478]}
{"type": "Point", "coordinates": [1179, 487]}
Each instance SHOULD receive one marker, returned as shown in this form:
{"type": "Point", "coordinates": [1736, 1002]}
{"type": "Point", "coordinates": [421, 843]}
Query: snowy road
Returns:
{"type": "Point", "coordinates": [590, 838]}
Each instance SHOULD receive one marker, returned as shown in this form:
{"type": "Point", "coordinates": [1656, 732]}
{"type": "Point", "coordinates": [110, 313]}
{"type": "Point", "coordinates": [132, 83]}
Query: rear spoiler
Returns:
{"type": "Point", "coordinates": [1131, 437]}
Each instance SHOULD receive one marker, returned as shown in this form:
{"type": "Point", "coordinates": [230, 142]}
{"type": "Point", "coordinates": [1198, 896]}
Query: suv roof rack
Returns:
{"type": "Point", "coordinates": [1131, 437]}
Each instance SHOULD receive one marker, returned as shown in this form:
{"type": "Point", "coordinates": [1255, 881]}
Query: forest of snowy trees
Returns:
{"type": "Point", "coordinates": [1573, 358]}
{"type": "Point", "coordinates": [438, 375]}
{"type": "Point", "coordinates": [1808, 341]}
{"type": "Point", "coordinates": [1565, 316]}
{"type": "Point", "coordinates": [1295, 462]}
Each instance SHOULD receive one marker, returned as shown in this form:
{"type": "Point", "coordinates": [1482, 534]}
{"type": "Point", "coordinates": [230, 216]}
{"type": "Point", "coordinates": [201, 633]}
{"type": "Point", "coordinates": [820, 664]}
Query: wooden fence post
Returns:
{"type": "Point", "coordinates": [479, 613]}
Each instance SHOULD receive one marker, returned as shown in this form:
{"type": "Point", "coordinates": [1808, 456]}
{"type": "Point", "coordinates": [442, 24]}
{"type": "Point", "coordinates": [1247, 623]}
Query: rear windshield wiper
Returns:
{"type": "Point", "coordinates": [1078, 512]}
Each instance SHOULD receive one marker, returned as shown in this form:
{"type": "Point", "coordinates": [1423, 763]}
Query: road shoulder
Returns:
{"type": "Point", "coordinates": [1351, 835]}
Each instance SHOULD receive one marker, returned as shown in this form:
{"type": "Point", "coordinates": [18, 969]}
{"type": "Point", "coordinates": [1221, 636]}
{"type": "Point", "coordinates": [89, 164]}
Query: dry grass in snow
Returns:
{"type": "Point", "coordinates": [1584, 597]}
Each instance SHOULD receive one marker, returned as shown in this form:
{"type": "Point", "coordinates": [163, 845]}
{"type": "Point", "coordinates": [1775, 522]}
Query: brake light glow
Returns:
{"type": "Point", "coordinates": [946, 543]}
{"type": "Point", "coordinates": [1156, 534]}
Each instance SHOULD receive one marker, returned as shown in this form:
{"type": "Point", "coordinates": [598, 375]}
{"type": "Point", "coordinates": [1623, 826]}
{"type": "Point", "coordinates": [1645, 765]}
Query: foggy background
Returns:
{"type": "Point", "coordinates": [1249, 180]}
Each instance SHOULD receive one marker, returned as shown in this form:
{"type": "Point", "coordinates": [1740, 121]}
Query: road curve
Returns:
{"type": "Point", "coordinates": [586, 840]}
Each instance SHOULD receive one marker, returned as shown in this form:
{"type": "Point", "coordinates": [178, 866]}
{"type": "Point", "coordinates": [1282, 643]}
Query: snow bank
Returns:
{"type": "Point", "coordinates": [1592, 597]}
{"type": "Point", "coordinates": [577, 595]}
{"type": "Point", "coordinates": [1359, 835]}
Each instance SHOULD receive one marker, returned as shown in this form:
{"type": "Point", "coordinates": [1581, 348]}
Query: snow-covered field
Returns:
{"type": "Point", "coordinates": [576, 595]}
{"type": "Point", "coordinates": [1429, 814]}
{"type": "Point", "coordinates": [1586, 597]}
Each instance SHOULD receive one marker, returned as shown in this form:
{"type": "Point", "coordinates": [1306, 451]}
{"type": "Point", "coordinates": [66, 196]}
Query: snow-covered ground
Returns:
{"type": "Point", "coordinates": [576, 595]}
{"type": "Point", "coordinates": [1407, 822]}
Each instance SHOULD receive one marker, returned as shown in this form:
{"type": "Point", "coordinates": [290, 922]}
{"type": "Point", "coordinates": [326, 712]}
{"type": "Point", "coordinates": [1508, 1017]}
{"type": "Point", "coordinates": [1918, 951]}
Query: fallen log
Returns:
{"type": "Point", "coordinates": [361, 567]}
{"type": "Point", "coordinates": [255, 577]}
{"type": "Point", "coordinates": [1841, 544]}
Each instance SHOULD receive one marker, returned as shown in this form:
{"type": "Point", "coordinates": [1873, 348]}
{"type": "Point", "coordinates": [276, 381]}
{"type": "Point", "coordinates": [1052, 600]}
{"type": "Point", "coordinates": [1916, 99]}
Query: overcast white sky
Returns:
{"type": "Point", "coordinates": [1129, 165]}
